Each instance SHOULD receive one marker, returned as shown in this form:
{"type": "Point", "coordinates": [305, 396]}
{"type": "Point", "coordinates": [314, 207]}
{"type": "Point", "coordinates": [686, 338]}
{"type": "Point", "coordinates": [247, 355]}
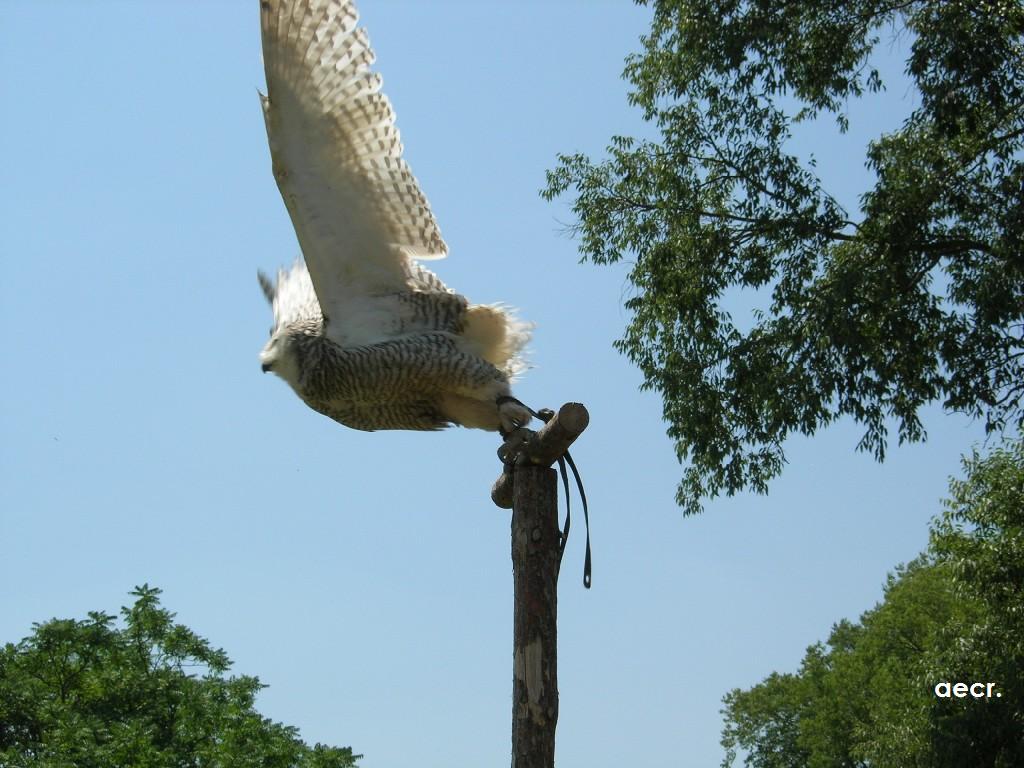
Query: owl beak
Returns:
{"type": "Point", "coordinates": [266, 367]}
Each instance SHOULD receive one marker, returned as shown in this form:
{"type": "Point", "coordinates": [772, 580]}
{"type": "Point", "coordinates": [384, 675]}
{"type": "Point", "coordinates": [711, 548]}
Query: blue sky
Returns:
{"type": "Point", "coordinates": [366, 577]}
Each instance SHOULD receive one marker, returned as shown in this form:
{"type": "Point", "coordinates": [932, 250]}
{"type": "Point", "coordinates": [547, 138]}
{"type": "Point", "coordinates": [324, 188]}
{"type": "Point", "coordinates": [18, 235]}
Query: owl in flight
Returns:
{"type": "Point", "coordinates": [362, 331]}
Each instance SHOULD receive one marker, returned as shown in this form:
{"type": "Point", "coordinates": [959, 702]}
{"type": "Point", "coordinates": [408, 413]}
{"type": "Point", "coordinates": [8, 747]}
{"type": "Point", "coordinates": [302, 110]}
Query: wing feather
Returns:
{"type": "Point", "coordinates": [357, 209]}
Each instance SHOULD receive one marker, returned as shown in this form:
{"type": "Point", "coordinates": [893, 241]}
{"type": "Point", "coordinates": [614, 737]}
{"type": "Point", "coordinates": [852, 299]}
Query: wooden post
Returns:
{"type": "Point", "coordinates": [530, 487]}
{"type": "Point", "coordinates": [535, 556]}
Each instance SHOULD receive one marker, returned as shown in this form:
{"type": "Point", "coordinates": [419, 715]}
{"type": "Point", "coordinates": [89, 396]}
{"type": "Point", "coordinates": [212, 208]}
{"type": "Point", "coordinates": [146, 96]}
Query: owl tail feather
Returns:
{"type": "Point", "coordinates": [499, 336]}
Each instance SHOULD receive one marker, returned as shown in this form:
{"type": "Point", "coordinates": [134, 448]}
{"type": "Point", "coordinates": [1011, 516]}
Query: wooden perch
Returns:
{"type": "Point", "coordinates": [536, 553]}
{"type": "Point", "coordinates": [539, 449]}
{"type": "Point", "coordinates": [529, 487]}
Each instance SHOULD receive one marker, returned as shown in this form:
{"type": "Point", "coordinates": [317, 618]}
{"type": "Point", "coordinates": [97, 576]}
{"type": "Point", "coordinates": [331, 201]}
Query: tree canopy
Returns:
{"type": "Point", "coordinates": [152, 694]}
{"type": "Point", "coordinates": [956, 614]}
{"type": "Point", "coordinates": [916, 298]}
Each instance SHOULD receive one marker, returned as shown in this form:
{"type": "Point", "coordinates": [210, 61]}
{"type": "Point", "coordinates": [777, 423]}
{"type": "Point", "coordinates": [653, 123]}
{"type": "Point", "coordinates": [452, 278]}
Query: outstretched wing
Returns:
{"type": "Point", "coordinates": [357, 209]}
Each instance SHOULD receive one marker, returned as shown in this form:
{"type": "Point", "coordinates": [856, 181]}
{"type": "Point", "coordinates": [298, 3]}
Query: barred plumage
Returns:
{"type": "Point", "coordinates": [362, 332]}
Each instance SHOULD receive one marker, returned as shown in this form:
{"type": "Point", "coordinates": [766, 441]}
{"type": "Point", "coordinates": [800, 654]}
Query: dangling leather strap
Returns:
{"type": "Point", "coordinates": [586, 513]}
{"type": "Point", "coordinates": [545, 415]}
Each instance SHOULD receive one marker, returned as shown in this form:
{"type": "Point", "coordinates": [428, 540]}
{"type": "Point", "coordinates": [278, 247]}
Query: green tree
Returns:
{"type": "Point", "coordinates": [149, 695]}
{"type": "Point", "coordinates": [917, 298]}
{"type": "Point", "coordinates": [981, 538]}
{"type": "Point", "coordinates": [866, 697]}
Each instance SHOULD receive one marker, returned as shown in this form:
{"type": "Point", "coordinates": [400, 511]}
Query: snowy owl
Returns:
{"type": "Point", "coordinates": [362, 331]}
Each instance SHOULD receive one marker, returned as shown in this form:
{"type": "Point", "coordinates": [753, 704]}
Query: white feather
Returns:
{"type": "Point", "coordinates": [362, 221]}
{"type": "Point", "coordinates": [337, 157]}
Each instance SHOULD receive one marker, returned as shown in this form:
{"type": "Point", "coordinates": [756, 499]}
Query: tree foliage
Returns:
{"type": "Point", "coordinates": [918, 297]}
{"type": "Point", "coordinates": [981, 538]}
{"type": "Point", "coordinates": [866, 697]}
{"type": "Point", "coordinates": [152, 694]}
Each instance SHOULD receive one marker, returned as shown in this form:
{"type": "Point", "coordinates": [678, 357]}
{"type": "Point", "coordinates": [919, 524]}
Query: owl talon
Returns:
{"type": "Point", "coordinates": [512, 414]}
